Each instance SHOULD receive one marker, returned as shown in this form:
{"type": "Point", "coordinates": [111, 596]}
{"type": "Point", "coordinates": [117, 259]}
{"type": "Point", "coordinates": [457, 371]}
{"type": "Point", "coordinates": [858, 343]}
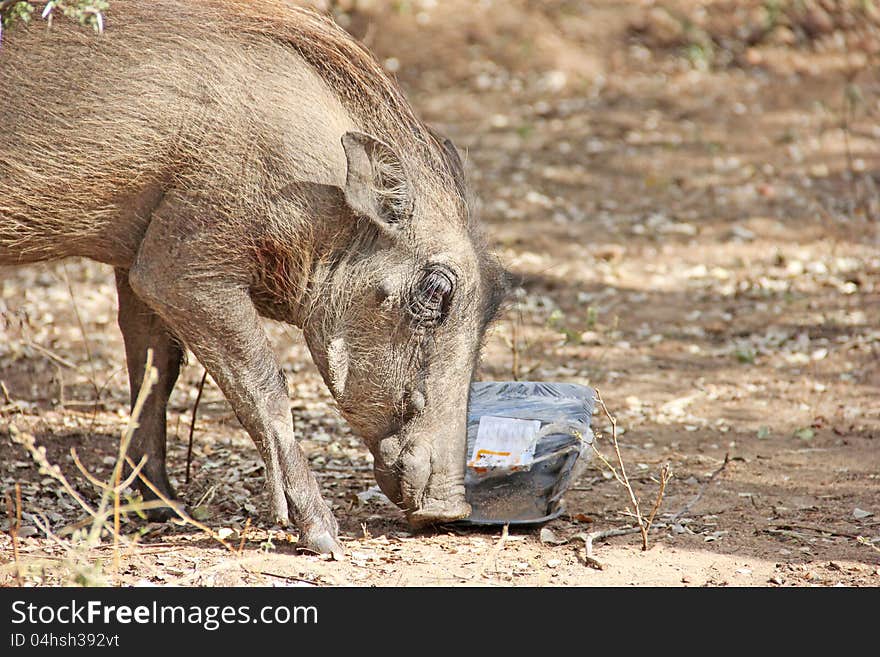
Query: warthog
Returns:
{"type": "Point", "coordinates": [233, 160]}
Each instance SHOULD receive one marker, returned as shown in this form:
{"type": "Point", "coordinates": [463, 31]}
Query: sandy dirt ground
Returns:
{"type": "Point", "coordinates": [687, 194]}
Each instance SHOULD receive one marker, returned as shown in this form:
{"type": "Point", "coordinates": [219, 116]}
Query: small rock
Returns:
{"type": "Point", "coordinates": [591, 338]}
{"type": "Point", "coordinates": [740, 233]}
{"type": "Point", "coordinates": [549, 537]}
{"type": "Point", "coordinates": [861, 514]}
{"type": "Point", "coordinates": [372, 494]}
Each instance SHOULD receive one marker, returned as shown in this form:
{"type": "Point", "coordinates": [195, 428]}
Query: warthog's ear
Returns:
{"type": "Point", "coordinates": [376, 185]}
{"type": "Point", "coordinates": [453, 161]}
{"type": "Point", "coordinates": [453, 158]}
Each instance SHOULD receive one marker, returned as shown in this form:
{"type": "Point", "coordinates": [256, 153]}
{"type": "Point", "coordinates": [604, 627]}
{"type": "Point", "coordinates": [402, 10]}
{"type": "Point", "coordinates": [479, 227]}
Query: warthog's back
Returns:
{"type": "Point", "coordinates": [232, 100]}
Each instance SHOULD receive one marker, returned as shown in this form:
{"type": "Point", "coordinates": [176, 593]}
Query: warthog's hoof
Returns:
{"type": "Point", "coordinates": [321, 543]}
{"type": "Point", "coordinates": [436, 513]}
{"type": "Point", "coordinates": [164, 513]}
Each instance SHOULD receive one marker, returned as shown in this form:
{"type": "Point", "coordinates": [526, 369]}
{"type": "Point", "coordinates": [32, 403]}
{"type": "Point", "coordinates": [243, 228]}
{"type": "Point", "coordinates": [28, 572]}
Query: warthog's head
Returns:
{"type": "Point", "coordinates": [399, 320]}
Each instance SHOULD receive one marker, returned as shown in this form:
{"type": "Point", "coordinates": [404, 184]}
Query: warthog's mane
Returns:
{"type": "Point", "coordinates": [365, 89]}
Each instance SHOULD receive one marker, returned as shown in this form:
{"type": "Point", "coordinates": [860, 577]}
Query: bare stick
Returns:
{"type": "Point", "coordinates": [61, 401]}
{"type": "Point", "coordinates": [867, 541]}
{"type": "Point", "coordinates": [116, 490]}
{"type": "Point", "coordinates": [288, 578]}
{"type": "Point", "coordinates": [665, 476]}
{"type": "Point", "coordinates": [10, 404]}
{"type": "Point", "coordinates": [590, 560]}
{"type": "Point", "coordinates": [192, 425]}
{"type": "Point", "coordinates": [5, 391]}
{"type": "Point", "coordinates": [44, 525]}
{"type": "Point", "coordinates": [687, 507]}
{"type": "Point", "coordinates": [51, 355]}
{"type": "Point", "coordinates": [133, 507]}
{"type": "Point", "coordinates": [622, 477]}
{"type": "Point", "coordinates": [244, 531]}
{"type": "Point", "coordinates": [92, 479]}
{"type": "Point", "coordinates": [100, 484]}
{"type": "Point", "coordinates": [493, 555]}
{"type": "Point", "coordinates": [608, 465]}
{"type": "Point", "coordinates": [91, 403]}
{"type": "Point", "coordinates": [813, 528]}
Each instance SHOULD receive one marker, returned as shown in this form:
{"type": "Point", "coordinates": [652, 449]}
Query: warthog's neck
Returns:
{"type": "Point", "coordinates": [297, 260]}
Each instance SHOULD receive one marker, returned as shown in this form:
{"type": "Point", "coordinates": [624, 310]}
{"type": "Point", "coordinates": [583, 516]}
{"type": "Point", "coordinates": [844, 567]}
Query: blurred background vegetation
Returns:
{"type": "Point", "coordinates": [87, 12]}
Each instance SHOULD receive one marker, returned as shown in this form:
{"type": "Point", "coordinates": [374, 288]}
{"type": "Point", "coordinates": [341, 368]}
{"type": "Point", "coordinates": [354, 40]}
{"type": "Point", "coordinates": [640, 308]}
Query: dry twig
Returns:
{"type": "Point", "coordinates": [644, 523]}
{"type": "Point", "coordinates": [493, 555]}
{"type": "Point", "coordinates": [244, 532]}
{"type": "Point", "coordinates": [867, 541]}
{"type": "Point", "coordinates": [6, 398]}
{"type": "Point", "coordinates": [100, 484]}
{"type": "Point", "coordinates": [813, 528]}
{"type": "Point", "coordinates": [192, 425]}
{"type": "Point", "coordinates": [696, 498]}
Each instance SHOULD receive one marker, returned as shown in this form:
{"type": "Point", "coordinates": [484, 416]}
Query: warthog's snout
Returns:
{"type": "Point", "coordinates": [427, 489]}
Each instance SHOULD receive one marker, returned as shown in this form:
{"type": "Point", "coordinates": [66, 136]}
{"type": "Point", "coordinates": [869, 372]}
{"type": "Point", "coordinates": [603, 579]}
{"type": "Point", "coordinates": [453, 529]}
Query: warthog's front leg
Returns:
{"type": "Point", "coordinates": [200, 295]}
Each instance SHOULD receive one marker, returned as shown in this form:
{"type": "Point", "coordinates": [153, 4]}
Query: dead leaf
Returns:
{"type": "Point", "coordinates": [201, 513]}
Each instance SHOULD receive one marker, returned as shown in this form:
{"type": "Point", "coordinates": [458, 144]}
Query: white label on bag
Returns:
{"type": "Point", "coordinates": [505, 442]}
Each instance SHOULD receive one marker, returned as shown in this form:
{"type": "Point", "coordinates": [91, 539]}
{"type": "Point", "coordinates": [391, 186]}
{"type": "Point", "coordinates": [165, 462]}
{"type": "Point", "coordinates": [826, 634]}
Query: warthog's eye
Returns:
{"type": "Point", "coordinates": [432, 294]}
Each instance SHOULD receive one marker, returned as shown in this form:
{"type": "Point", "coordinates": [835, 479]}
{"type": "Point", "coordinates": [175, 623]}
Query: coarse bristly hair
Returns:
{"type": "Point", "coordinates": [354, 74]}
{"type": "Point", "coordinates": [62, 189]}
{"type": "Point", "coordinates": [209, 40]}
